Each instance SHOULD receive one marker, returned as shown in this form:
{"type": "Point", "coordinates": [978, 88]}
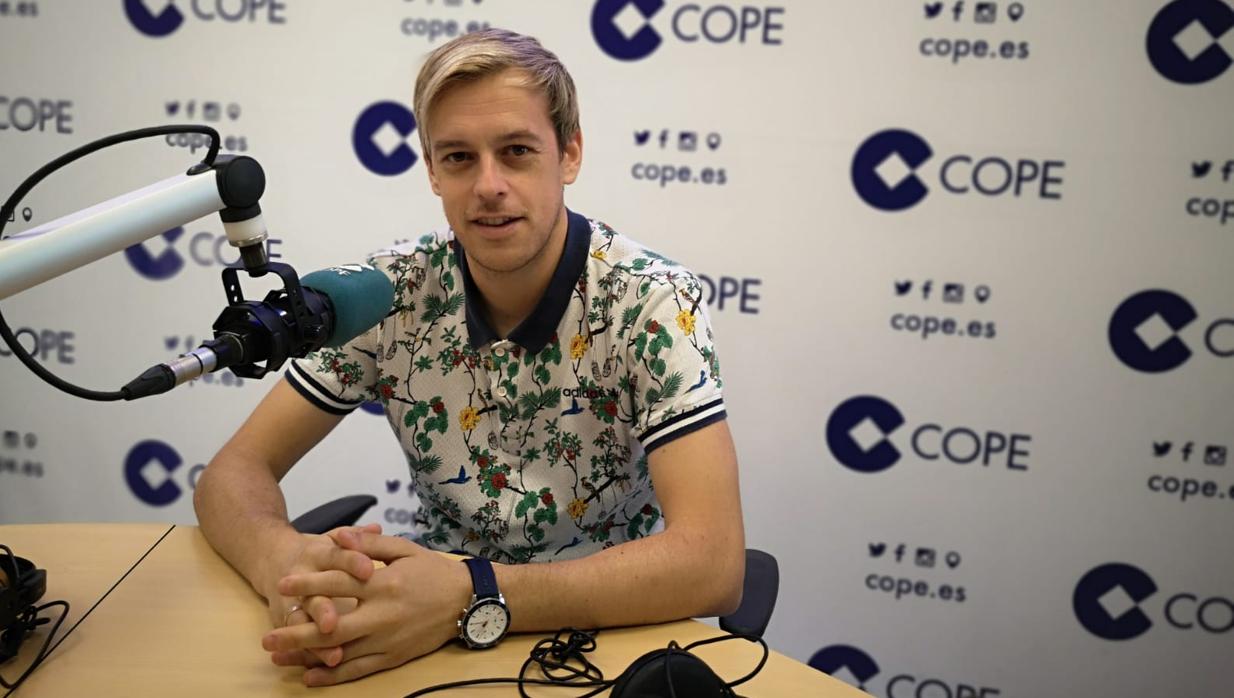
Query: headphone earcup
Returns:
{"type": "Point", "coordinates": [22, 592]}
{"type": "Point", "coordinates": [33, 582]}
{"type": "Point", "coordinates": [647, 677]}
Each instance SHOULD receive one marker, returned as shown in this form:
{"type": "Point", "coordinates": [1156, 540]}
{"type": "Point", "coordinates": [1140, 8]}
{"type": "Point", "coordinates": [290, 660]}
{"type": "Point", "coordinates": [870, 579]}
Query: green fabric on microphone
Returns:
{"type": "Point", "coordinates": [361, 295]}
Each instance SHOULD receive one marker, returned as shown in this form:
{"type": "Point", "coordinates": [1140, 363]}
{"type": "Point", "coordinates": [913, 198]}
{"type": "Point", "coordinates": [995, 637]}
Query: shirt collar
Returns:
{"type": "Point", "coordinates": [537, 328]}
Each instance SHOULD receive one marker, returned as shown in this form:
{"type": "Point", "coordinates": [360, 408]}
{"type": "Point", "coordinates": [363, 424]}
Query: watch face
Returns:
{"type": "Point", "coordinates": [486, 623]}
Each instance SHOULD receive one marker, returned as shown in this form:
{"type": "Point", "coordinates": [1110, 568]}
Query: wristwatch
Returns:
{"type": "Point", "coordinates": [486, 620]}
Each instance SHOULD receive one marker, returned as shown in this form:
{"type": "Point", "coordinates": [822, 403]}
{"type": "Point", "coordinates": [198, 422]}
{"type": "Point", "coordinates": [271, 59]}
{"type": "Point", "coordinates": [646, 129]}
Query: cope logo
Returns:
{"type": "Point", "coordinates": [148, 470]}
{"type": "Point", "coordinates": [380, 138]}
{"type": "Point", "coordinates": [623, 28]}
{"type": "Point", "coordinates": [154, 25]}
{"type": "Point", "coordinates": [1144, 332]}
{"type": "Point", "coordinates": [35, 113]}
{"type": "Point", "coordinates": [834, 659]}
{"type": "Point", "coordinates": [204, 249]}
{"type": "Point", "coordinates": [1183, 40]}
{"type": "Point", "coordinates": [165, 264]}
{"type": "Point", "coordinates": [1108, 602]}
{"type": "Point", "coordinates": [859, 435]}
{"type": "Point", "coordinates": [159, 18]}
{"type": "Point", "coordinates": [844, 661]}
{"type": "Point", "coordinates": [885, 173]}
{"type": "Point", "coordinates": [45, 345]}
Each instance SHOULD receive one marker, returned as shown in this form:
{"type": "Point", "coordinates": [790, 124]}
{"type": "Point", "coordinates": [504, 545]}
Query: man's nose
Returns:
{"type": "Point", "coordinates": [490, 179]}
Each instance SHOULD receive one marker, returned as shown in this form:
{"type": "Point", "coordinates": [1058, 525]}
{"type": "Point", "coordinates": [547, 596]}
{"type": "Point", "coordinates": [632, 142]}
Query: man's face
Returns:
{"type": "Point", "coordinates": [497, 168]}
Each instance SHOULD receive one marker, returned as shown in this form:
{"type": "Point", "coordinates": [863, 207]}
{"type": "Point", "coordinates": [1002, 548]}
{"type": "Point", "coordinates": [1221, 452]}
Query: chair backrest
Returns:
{"type": "Point", "coordinates": [343, 511]}
{"type": "Point", "coordinates": [758, 601]}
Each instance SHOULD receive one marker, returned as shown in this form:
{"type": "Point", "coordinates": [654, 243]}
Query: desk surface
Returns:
{"type": "Point", "coordinates": [82, 566]}
{"type": "Point", "coordinates": [183, 622]}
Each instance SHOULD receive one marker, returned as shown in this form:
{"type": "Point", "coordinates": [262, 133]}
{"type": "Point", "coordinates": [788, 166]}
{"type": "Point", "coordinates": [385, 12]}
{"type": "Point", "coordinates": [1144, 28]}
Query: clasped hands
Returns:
{"type": "Point", "coordinates": [356, 618]}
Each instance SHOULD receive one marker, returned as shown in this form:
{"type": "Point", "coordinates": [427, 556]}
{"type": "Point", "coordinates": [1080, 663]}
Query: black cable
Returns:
{"type": "Point", "coordinates": [668, 667]}
{"type": "Point", "coordinates": [551, 655]}
{"type": "Point", "coordinates": [752, 638]}
{"type": "Point", "coordinates": [11, 205]}
{"type": "Point", "coordinates": [554, 655]}
{"type": "Point", "coordinates": [28, 621]}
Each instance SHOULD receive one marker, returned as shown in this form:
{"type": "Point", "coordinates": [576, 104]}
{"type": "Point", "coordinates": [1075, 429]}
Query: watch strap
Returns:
{"type": "Point", "coordinates": [483, 579]}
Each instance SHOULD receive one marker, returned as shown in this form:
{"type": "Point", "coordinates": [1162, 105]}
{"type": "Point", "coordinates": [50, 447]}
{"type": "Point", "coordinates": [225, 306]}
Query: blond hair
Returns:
{"type": "Point", "coordinates": [483, 53]}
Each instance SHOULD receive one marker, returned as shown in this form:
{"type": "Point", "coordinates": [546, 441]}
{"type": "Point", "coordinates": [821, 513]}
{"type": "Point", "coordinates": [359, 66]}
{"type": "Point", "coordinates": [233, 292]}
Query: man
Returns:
{"type": "Point", "coordinates": [565, 373]}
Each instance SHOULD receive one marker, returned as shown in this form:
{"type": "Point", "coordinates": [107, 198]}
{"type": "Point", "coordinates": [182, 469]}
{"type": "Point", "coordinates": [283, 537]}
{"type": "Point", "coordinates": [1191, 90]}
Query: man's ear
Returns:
{"type": "Point", "coordinates": [572, 158]}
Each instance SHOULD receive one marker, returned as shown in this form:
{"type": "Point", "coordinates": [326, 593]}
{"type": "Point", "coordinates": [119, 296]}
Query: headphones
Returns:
{"type": "Point", "coordinates": [672, 672]}
{"type": "Point", "coordinates": [668, 672]}
{"type": "Point", "coordinates": [21, 586]}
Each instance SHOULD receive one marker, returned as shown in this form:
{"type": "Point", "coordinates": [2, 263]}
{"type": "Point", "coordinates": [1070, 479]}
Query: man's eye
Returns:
{"type": "Point", "coordinates": [455, 157]}
{"type": "Point", "coordinates": [519, 150]}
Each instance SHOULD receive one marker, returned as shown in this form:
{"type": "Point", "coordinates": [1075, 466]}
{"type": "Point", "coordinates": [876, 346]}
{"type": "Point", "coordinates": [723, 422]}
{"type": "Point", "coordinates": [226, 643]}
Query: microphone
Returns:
{"type": "Point", "coordinates": [342, 303]}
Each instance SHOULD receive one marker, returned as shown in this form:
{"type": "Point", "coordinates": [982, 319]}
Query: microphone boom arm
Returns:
{"type": "Point", "coordinates": [232, 186]}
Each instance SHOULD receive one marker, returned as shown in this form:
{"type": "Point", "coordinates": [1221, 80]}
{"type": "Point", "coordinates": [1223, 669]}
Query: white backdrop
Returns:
{"type": "Point", "coordinates": [938, 207]}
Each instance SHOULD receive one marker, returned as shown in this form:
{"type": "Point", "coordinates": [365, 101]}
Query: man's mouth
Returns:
{"type": "Point", "coordinates": [495, 221]}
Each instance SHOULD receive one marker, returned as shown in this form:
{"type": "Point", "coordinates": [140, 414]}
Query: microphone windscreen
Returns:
{"type": "Point", "coordinates": [361, 294]}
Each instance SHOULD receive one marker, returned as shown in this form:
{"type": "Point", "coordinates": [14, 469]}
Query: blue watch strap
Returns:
{"type": "Point", "coordinates": [483, 580]}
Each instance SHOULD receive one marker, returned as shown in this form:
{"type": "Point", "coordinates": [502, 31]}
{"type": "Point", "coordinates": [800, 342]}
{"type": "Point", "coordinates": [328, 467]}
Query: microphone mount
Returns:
{"type": "Point", "coordinates": [288, 322]}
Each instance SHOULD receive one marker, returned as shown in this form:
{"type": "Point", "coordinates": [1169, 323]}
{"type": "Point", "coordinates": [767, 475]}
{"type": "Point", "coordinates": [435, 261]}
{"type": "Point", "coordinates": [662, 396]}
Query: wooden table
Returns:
{"type": "Point", "coordinates": [183, 623]}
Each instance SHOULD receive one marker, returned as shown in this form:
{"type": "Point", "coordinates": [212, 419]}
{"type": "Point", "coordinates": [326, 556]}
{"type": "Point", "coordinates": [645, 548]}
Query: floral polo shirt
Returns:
{"type": "Point", "coordinates": [532, 447]}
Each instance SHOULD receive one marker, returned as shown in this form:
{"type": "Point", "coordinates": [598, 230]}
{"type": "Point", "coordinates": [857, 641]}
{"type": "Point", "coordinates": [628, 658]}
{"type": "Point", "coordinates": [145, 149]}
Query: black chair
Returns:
{"type": "Point", "coordinates": [758, 601]}
{"type": "Point", "coordinates": [760, 589]}
{"type": "Point", "coordinates": [343, 511]}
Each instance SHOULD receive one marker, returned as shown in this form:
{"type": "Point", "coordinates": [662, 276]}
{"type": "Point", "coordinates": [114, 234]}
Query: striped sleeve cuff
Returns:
{"type": "Point", "coordinates": [682, 424]}
{"type": "Point", "coordinates": [316, 393]}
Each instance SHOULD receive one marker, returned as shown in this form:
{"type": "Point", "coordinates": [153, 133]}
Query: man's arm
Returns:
{"type": "Point", "coordinates": [695, 567]}
{"type": "Point", "coordinates": [240, 506]}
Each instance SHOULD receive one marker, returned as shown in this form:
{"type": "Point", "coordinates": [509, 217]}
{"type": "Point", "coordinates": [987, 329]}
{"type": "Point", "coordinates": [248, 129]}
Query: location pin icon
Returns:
{"type": "Point", "coordinates": [1015, 11]}
{"type": "Point", "coordinates": [713, 140]}
{"type": "Point", "coordinates": [982, 294]}
{"type": "Point", "coordinates": [27, 213]}
{"type": "Point", "coordinates": [953, 559]}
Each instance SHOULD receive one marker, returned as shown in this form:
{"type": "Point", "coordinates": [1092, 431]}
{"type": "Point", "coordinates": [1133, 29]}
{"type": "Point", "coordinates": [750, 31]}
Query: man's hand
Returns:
{"type": "Point", "coordinates": [406, 609]}
{"type": "Point", "coordinates": [313, 554]}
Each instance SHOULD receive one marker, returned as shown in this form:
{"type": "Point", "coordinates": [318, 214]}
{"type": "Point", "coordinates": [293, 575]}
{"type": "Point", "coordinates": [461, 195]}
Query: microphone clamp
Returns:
{"type": "Point", "coordinates": [287, 323]}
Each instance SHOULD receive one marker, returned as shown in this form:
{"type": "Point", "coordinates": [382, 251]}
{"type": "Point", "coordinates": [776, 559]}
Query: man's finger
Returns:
{"type": "Point", "coordinates": [360, 647]}
{"type": "Point", "coordinates": [319, 656]}
{"type": "Point", "coordinates": [297, 616]}
{"type": "Point", "coordinates": [319, 585]}
{"type": "Point", "coordinates": [304, 658]}
{"type": "Point", "coordinates": [320, 608]}
{"type": "Point", "coordinates": [367, 528]}
{"type": "Point", "coordinates": [378, 547]}
{"type": "Point", "coordinates": [307, 636]}
{"type": "Point", "coordinates": [328, 656]}
{"type": "Point", "coordinates": [355, 563]}
{"type": "Point", "coordinates": [347, 671]}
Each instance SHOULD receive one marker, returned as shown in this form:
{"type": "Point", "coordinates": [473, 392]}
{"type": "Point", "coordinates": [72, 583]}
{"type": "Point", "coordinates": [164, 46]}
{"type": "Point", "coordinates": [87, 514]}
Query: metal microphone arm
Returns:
{"type": "Point", "coordinates": [231, 186]}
